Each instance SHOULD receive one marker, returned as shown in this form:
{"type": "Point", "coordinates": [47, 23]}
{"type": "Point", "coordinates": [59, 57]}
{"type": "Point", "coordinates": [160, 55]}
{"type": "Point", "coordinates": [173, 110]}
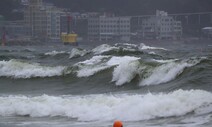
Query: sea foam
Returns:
{"type": "Point", "coordinates": [109, 107]}
{"type": "Point", "coordinates": [18, 69]}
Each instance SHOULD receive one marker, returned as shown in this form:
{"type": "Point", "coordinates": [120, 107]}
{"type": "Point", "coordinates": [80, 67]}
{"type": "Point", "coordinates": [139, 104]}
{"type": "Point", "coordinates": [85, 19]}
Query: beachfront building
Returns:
{"type": "Point", "coordinates": [78, 23]}
{"type": "Point", "coordinates": [16, 29]}
{"type": "Point", "coordinates": [106, 28]}
{"type": "Point", "coordinates": [161, 26]}
{"type": "Point", "coordinates": [43, 20]}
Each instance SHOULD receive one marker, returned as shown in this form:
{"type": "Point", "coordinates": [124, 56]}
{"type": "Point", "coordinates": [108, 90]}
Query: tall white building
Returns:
{"type": "Point", "coordinates": [105, 28]}
{"type": "Point", "coordinates": [161, 26]}
{"type": "Point", "coordinates": [42, 19]}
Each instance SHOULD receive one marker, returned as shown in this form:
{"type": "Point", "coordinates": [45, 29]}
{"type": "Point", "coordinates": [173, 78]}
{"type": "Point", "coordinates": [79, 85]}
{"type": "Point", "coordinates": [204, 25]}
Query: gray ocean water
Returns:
{"type": "Point", "coordinates": [152, 84]}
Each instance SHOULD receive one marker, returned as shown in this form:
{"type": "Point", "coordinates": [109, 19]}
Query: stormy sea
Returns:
{"type": "Point", "coordinates": [155, 84]}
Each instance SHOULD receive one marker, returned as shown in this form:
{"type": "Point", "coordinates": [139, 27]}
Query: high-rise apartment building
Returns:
{"type": "Point", "coordinates": [109, 28]}
{"type": "Point", "coordinates": [161, 26]}
{"type": "Point", "coordinates": [42, 19]}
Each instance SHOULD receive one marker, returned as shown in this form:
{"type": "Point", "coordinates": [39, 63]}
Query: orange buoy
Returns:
{"type": "Point", "coordinates": [117, 124]}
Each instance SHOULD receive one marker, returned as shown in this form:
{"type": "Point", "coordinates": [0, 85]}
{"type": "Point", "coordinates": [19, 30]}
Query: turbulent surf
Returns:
{"type": "Point", "coordinates": [141, 84]}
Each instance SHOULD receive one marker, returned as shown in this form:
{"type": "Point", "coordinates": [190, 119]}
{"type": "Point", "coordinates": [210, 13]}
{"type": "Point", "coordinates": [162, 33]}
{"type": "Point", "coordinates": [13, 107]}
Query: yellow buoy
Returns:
{"type": "Point", "coordinates": [69, 39]}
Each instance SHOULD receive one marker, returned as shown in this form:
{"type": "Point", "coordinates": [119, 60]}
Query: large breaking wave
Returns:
{"type": "Point", "coordinates": [126, 68]}
{"type": "Point", "coordinates": [109, 107]}
{"type": "Point", "coordinates": [127, 62]}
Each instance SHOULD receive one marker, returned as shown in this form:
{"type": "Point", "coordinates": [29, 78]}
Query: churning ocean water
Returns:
{"type": "Point", "coordinates": [165, 84]}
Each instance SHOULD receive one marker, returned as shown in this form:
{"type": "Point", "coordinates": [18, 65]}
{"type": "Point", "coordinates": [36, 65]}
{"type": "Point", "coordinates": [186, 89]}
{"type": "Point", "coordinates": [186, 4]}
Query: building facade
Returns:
{"type": "Point", "coordinates": [16, 29]}
{"type": "Point", "coordinates": [78, 23]}
{"type": "Point", "coordinates": [161, 26]}
{"type": "Point", "coordinates": [105, 28]}
{"type": "Point", "coordinates": [53, 22]}
{"type": "Point", "coordinates": [42, 19]}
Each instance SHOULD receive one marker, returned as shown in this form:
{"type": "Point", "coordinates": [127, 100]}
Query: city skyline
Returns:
{"type": "Point", "coordinates": [44, 20]}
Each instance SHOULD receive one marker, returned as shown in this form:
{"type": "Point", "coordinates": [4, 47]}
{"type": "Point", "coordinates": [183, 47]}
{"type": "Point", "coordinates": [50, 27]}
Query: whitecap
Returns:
{"type": "Point", "coordinates": [103, 48]}
{"type": "Point", "coordinates": [54, 53]}
{"type": "Point", "coordinates": [145, 47]}
{"type": "Point", "coordinates": [18, 69]}
{"type": "Point", "coordinates": [75, 52]}
{"type": "Point", "coordinates": [99, 63]}
{"type": "Point", "coordinates": [92, 66]}
{"type": "Point", "coordinates": [125, 72]}
{"type": "Point", "coordinates": [167, 71]}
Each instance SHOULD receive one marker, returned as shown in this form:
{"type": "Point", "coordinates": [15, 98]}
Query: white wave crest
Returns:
{"type": "Point", "coordinates": [92, 66]}
{"type": "Point", "coordinates": [167, 72]}
{"type": "Point", "coordinates": [103, 48]}
{"type": "Point", "coordinates": [118, 60]}
{"type": "Point", "coordinates": [54, 53]}
{"type": "Point", "coordinates": [94, 60]}
{"type": "Point", "coordinates": [99, 63]}
{"type": "Point", "coordinates": [89, 71]}
{"type": "Point", "coordinates": [126, 44]}
{"type": "Point", "coordinates": [125, 72]}
{"type": "Point", "coordinates": [165, 61]}
{"type": "Point", "coordinates": [144, 47]}
{"type": "Point", "coordinates": [17, 69]}
{"type": "Point", "coordinates": [75, 52]}
{"type": "Point", "coordinates": [109, 107]}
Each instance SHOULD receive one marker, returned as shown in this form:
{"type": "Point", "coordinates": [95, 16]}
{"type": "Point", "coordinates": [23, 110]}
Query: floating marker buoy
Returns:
{"type": "Point", "coordinates": [117, 124]}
